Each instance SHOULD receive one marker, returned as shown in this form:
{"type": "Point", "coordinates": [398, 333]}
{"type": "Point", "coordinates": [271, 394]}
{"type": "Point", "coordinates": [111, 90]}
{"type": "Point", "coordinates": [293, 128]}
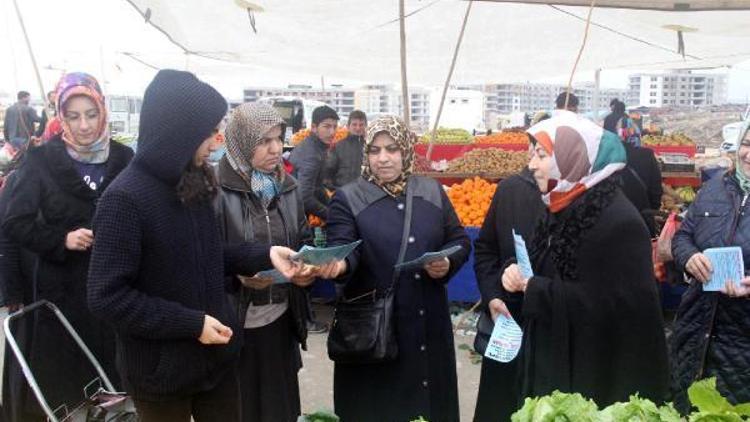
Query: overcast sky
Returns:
{"type": "Point", "coordinates": [63, 39]}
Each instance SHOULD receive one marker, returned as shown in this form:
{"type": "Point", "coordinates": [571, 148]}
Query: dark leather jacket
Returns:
{"type": "Point", "coordinates": [243, 218]}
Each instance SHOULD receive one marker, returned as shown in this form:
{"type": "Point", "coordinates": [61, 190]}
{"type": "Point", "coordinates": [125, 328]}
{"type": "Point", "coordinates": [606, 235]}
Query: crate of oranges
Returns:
{"type": "Point", "coordinates": [471, 199]}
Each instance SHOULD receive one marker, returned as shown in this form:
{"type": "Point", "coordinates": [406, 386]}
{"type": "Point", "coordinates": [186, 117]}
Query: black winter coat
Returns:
{"type": "Point", "coordinates": [517, 205]}
{"type": "Point", "coordinates": [243, 218]}
{"type": "Point", "coordinates": [712, 331]}
{"type": "Point", "coordinates": [309, 161]}
{"type": "Point", "coordinates": [641, 183]}
{"type": "Point", "coordinates": [49, 200]}
{"type": "Point", "coordinates": [601, 333]}
{"type": "Point", "coordinates": [16, 263]}
{"type": "Point", "coordinates": [16, 272]}
{"type": "Point", "coordinates": [422, 380]}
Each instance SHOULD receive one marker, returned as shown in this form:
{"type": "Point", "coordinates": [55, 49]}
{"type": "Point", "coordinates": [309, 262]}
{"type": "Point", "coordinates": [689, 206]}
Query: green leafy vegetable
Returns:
{"type": "Point", "coordinates": [557, 407]}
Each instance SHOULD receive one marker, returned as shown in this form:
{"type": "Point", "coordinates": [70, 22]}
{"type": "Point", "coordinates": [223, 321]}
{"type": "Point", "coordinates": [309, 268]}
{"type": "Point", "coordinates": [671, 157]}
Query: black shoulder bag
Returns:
{"type": "Point", "coordinates": [363, 329]}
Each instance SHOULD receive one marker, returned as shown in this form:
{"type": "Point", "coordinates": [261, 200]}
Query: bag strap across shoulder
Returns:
{"type": "Point", "coordinates": [404, 235]}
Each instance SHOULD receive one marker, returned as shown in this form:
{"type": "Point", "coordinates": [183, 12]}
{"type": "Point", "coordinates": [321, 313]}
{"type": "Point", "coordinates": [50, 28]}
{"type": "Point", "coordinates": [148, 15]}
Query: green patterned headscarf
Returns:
{"type": "Point", "coordinates": [739, 172]}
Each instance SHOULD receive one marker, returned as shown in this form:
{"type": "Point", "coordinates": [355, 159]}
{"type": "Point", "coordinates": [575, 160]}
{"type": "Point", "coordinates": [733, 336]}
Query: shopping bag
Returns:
{"type": "Point", "coordinates": [664, 243]}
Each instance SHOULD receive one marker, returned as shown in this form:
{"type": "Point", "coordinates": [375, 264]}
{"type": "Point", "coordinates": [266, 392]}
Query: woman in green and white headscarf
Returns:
{"type": "Point", "coordinates": [259, 202]}
{"type": "Point", "coordinates": [711, 336]}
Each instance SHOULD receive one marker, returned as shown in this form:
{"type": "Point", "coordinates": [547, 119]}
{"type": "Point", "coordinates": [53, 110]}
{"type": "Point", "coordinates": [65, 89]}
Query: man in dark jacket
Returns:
{"type": "Point", "coordinates": [345, 161]}
{"type": "Point", "coordinates": [19, 121]}
{"type": "Point", "coordinates": [157, 270]}
{"type": "Point", "coordinates": [309, 159]}
{"type": "Point", "coordinates": [641, 183]}
{"type": "Point", "coordinates": [517, 205]}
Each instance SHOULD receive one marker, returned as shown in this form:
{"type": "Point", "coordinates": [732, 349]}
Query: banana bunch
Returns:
{"type": "Point", "coordinates": [686, 193]}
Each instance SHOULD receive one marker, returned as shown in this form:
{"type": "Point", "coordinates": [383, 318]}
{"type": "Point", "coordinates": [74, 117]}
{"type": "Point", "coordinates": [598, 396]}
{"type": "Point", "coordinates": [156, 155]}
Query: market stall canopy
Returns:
{"type": "Point", "coordinates": [504, 41]}
{"type": "Point", "coordinates": [667, 5]}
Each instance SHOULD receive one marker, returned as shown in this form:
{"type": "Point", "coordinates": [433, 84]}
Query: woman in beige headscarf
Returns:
{"type": "Point", "coordinates": [421, 380]}
{"type": "Point", "coordinates": [259, 202]}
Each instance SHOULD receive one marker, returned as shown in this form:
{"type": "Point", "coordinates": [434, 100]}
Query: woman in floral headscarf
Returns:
{"type": "Point", "coordinates": [259, 202]}
{"type": "Point", "coordinates": [421, 381]}
{"type": "Point", "coordinates": [591, 312]}
{"type": "Point", "coordinates": [49, 213]}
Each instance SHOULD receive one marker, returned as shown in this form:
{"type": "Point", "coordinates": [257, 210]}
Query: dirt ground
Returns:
{"type": "Point", "coordinates": [316, 377]}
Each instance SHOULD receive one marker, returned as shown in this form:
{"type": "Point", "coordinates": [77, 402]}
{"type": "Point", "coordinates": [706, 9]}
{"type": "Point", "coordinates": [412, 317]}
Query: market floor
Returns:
{"type": "Point", "coordinates": [316, 377]}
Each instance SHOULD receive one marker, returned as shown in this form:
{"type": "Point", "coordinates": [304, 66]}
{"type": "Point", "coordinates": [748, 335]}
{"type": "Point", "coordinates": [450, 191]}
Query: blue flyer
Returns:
{"type": "Point", "coordinates": [727, 264]}
{"type": "Point", "coordinates": [277, 277]}
{"type": "Point", "coordinates": [428, 257]}
{"type": "Point", "coordinates": [522, 256]}
{"type": "Point", "coordinates": [506, 339]}
{"type": "Point", "coordinates": [322, 256]}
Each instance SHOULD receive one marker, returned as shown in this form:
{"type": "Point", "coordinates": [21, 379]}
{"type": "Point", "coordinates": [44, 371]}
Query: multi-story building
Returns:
{"type": "Point", "coordinates": [339, 98]}
{"type": "Point", "coordinates": [531, 97]}
{"type": "Point", "coordinates": [377, 100]}
{"type": "Point", "coordinates": [682, 88]}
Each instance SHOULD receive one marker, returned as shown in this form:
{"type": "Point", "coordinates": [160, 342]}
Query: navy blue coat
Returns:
{"type": "Point", "coordinates": [712, 331]}
{"type": "Point", "coordinates": [422, 380]}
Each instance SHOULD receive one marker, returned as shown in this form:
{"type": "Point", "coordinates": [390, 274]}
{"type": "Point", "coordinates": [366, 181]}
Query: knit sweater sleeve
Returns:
{"type": "Point", "coordinates": [247, 258]}
{"type": "Point", "coordinates": [114, 269]}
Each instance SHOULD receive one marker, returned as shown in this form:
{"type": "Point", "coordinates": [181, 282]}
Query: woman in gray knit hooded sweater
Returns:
{"type": "Point", "coordinates": [259, 202]}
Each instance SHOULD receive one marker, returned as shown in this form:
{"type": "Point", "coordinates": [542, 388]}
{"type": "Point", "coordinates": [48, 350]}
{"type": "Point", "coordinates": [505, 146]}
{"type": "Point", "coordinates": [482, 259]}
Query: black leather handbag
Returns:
{"type": "Point", "coordinates": [363, 329]}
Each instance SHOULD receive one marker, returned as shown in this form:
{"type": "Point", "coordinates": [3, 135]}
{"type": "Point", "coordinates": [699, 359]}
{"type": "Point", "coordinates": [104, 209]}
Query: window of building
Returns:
{"type": "Point", "coordinates": [119, 105]}
{"type": "Point", "coordinates": [652, 102]}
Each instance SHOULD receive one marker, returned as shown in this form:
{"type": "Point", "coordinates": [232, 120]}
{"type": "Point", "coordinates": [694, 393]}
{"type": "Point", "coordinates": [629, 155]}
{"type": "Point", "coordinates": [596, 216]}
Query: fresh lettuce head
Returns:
{"type": "Point", "coordinates": [639, 410]}
{"type": "Point", "coordinates": [557, 407]}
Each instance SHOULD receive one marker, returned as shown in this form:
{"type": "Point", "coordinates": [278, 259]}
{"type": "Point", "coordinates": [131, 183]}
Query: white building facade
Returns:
{"type": "Point", "coordinates": [679, 89]}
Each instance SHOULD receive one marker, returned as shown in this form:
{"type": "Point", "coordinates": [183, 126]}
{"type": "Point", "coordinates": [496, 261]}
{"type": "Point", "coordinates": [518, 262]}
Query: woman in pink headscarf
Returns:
{"type": "Point", "coordinates": [51, 207]}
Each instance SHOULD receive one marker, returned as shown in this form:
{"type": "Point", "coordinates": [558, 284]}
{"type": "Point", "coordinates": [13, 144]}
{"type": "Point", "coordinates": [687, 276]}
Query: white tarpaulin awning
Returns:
{"type": "Point", "coordinates": [504, 41]}
{"type": "Point", "coordinates": [667, 5]}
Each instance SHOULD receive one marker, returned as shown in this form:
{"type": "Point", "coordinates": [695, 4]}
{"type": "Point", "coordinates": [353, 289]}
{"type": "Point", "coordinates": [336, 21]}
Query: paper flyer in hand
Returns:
{"type": "Point", "coordinates": [428, 257]}
{"type": "Point", "coordinates": [505, 342]}
{"type": "Point", "coordinates": [275, 275]}
{"type": "Point", "coordinates": [322, 256]}
{"type": "Point", "coordinates": [522, 256]}
{"type": "Point", "coordinates": [727, 264]}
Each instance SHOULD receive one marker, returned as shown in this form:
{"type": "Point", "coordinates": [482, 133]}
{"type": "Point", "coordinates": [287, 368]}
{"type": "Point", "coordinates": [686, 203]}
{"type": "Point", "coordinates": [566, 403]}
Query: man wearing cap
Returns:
{"type": "Point", "coordinates": [309, 159]}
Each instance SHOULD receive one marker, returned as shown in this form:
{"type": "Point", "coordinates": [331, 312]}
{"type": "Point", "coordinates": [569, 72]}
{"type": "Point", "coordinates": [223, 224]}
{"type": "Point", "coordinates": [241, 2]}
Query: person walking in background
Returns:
{"type": "Point", "coordinates": [344, 163]}
{"type": "Point", "coordinates": [309, 162]}
{"type": "Point", "coordinates": [309, 158]}
{"type": "Point", "coordinates": [19, 122]}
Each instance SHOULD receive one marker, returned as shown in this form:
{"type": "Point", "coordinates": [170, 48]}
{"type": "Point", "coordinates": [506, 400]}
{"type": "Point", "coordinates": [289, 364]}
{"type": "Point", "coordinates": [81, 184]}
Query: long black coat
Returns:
{"type": "Point", "coordinates": [422, 380]}
{"type": "Point", "coordinates": [712, 330]}
{"type": "Point", "coordinates": [16, 275]}
{"type": "Point", "coordinates": [600, 334]}
{"type": "Point", "coordinates": [517, 205]}
{"type": "Point", "coordinates": [49, 200]}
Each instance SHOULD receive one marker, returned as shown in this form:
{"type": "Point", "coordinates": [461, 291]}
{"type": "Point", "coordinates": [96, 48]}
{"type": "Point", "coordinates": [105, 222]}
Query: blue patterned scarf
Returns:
{"type": "Point", "coordinates": [264, 186]}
